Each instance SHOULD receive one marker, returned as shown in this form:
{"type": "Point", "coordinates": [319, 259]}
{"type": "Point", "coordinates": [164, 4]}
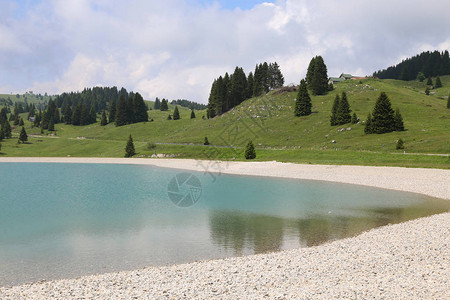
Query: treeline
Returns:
{"type": "Point", "coordinates": [189, 104]}
{"type": "Point", "coordinates": [426, 64]}
{"type": "Point", "coordinates": [230, 90]}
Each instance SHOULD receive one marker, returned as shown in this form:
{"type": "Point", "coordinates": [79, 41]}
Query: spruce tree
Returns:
{"type": "Point", "coordinates": [192, 114]}
{"type": "Point", "coordinates": [0, 146]}
{"type": "Point", "coordinates": [112, 111]}
{"type": "Point", "coordinates": [129, 149]}
{"type": "Point", "coordinates": [438, 83]}
{"type": "Point", "coordinates": [21, 123]}
{"type": "Point", "coordinates": [343, 111]}
{"type": "Point", "coordinates": [92, 115]}
{"type": "Point", "coordinates": [104, 120]}
{"type": "Point", "coordinates": [23, 137]}
{"type": "Point", "coordinates": [157, 103]}
{"type": "Point", "coordinates": [84, 117]}
{"type": "Point", "coordinates": [398, 121]}
{"type": "Point", "coordinates": [51, 124]}
{"type": "Point", "coordinates": [2, 133]}
{"type": "Point", "coordinates": [333, 118]}
{"type": "Point", "coordinates": [303, 103]}
{"type": "Point", "coordinates": [68, 115]}
{"type": "Point", "coordinates": [176, 113]}
{"type": "Point", "coordinates": [206, 142]}
{"type": "Point", "coordinates": [7, 129]}
{"type": "Point", "coordinates": [310, 72]}
{"type": "Point", "coordinates": [354, 118]}
{"type": "Point", "coordinates": [368, 129]}
{"type": "Point", "coordinates": [427, 91]}
{"type": "Point", "coordinates": [448, 101]}
{"type": "Point", "coordinates": [383, 118]}
{"type": "Point", "coordinates": [250, 152]}
{"type": "Point", "coordinates": [164, 106]}
{"type": "Point", "coordinates": [76, 115]}
{"type": "Point", "coordinates": [400, 144]}
{"type": "Point", "coordinates": [122, 111]}
{"type": "Point", "coordinates": [140, 108]}
{"type": "Point", "coordinates": [429, 82]}
{"type": "Point", "coordinates": [319, 77]}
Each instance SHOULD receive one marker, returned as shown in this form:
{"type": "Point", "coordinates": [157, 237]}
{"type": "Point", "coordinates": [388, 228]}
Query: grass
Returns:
{"type": "Point", "coordinates": [276, 133]}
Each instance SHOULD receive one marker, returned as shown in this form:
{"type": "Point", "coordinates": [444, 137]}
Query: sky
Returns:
{"type": "Point", "coordinates": [174, 49]}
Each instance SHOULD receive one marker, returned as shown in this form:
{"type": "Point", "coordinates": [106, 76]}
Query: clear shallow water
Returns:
{"type": "Point", "coordinates": [68, 220]}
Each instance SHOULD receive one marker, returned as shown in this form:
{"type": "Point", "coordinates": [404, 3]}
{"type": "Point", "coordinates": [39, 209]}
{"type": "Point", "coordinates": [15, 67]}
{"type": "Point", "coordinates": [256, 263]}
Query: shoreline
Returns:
{"type": "Point", "coordinates": [402, 261]}
{"type": "Point", "coordinates": [430, 182]}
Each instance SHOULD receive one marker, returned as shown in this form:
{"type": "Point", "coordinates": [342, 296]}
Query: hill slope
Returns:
{"type": "Point", "coordinates": [270, 123]}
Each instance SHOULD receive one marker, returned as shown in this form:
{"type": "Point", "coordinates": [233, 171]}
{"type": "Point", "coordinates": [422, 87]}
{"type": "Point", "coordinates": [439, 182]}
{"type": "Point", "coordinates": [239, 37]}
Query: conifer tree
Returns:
{"type": "Point", "coordinates": [420, 77]}
{"type": "Point", "coordinates": [192, 114]}
{"type": "Point", "coordinates": [122, 111]}
{"type": "Point", "coordinates": [112, 111]}
{"type": "Point", "coordinates": [334, 109]}
{"type": "Point", "coordinates": [157, 103]}
{"type": "Point", "coordinates": [448, 101]}
{"type": "Point", "coordinates": [129, 149]}
{"type": "Point", "coordinates": [0, 146]}
{"type": "Point", "coordinates": [176, 113]}
{"type": "Point", "coordinates": [51, 124]}
{"type": "Point", "coordinates": [250, 81]}
{"type": "Point", "coordinates": [104, 120]}
{"type": "Point", "coordinates": [317, 76]}
{"type": "Point", "coordinates": [343, 112]}
{"type": "Point", "coordinates": [92, 115]}
{"type": "Point", "coordinates": [68, 114]}
{"type": "Point", "coordinates": [23, 137]}
{"type": "Point", "coordinates": [7, 129]}
{"type": "Point", "coordinates": [164, 106]}
{"type": "Point", "coordinates": [383, 119]}
{"type": "Point", "coordinates": [354, 118]}
{"type": "Point", "coordinates": [84, 116]}
{"type": "Point", "coordinates": [2, 133]}
{"type": "Point", "coordinates": [400, 144]}
{"type": "Point", "coordinates": [303, 103]}
{"type": "Point", "coordinates": [76, 115]}
{"type": "Point", "coordinates": [206, 142]}
{"type": "Point", "coordinates": [398, 121]}
{"type": "Point", "coordinates": [140, 108]}
{"type": "Point", "coordinates": [429, 82]}
{"type": "Point", "coordinates": [250, 152]}
{"type": "Point", "coordinates": [427, 91]}
{"type": "Point", "coordinates": [21, 123]}
{"type": "Point", "coordinates": [368, 129]}
{"type": "Point", "coordinates": [438, 83]}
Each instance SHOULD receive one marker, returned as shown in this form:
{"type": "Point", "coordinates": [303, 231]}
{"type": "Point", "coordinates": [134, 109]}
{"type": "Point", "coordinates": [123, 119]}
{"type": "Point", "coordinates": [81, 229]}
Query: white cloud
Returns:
{"type": "Point", "coordinates": [174, 48]}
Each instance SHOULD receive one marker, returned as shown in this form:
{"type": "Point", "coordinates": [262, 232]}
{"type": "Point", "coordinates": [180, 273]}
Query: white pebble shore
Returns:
{"type": "Point", "coordinates": [410, 260]}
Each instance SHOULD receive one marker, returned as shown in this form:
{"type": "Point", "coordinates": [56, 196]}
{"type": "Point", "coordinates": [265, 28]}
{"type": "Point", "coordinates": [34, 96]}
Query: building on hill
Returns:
{"type": "Point", "coordinates": [343, 77]}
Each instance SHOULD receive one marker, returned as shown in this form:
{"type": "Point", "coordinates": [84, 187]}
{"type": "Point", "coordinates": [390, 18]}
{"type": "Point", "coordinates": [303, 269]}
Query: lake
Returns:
{"type": "Point", "coordinates": [66, 220]}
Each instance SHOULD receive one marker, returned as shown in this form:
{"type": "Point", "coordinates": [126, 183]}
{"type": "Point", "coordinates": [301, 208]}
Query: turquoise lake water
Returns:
{"type": "Point", "coordinates": [68, 220]}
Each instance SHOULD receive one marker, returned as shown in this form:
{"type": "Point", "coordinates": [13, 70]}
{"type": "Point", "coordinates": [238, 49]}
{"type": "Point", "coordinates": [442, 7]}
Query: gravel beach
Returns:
{"type": "Point", "coordinates": [403, 261]}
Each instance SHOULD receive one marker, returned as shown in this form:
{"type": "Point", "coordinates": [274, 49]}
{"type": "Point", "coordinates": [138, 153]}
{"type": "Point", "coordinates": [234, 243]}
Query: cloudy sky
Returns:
{"type": "Point", "coordinates": [175, 48]}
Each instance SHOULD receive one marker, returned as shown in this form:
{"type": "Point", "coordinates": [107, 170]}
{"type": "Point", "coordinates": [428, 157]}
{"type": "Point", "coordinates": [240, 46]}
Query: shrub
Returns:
{"type": "Point", "coordinates": [400, 144]}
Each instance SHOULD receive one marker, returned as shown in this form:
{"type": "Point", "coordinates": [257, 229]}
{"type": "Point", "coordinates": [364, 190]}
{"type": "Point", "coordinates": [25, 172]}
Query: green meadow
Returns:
{"type": "Point", "coordinates": [270, 123]}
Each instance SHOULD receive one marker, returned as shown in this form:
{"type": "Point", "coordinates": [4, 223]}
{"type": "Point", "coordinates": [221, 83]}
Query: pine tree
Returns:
{"type": "Point", "coordinates": [7, 129]}
{"type": "Point", "coordinates": [129, 149]}
{"type": "Point", "coordinates": [68, 114]}
{"type": "Point", "coordinates": [176, 113]}
{"type": "Point", "coordinates": [104, 120]}
{"type": "Point", "coordinates": [169, 117]}
{"type": "Point", "coordinates": [448, 101]}
{"type": "Point", "coordinates": [21, 123]}
{"type": "Point", "coordinates": [157, 103]}
{"type": "Point", "coordinates": [250, 82]}
{"type": "Point", "coordinates": [383, 119]}
{"type": "Point", "coordinates": [310, 72]}
{"type": "Point", "coordinates": [51, 124]}
{"type": "Point", "coordinates": [334, 109]}
{"type": "Point", "coordinates": [319, 77]}
{"type": "Point", "coordinates": [343, 111]}
{"type": "Point", "coordinates": [354, 118]}
{"type": "Point", "coordinates": [438, 82]}
{"type": "Point", "coordinates": [140, 108]}
{"type": "Point", "coordinates": [206, 141]}
{"type": "Point", "coordinates": [429, 82]}
{"type": "Point", "coordinates": [368, 129]}
{"type": "Point", "coordinates": [23, 137]}
{"type": "Point", "coordinates": [92, 115]}
{"type": "Point", "coordinates": [122, 111]}
{"type": "Point", "coordinates": [400, 144]}
{"type": "Point", "coordinates": [250, 151]}
{"type": "Point", "coordinates": [427, 91]}
{"type": "Point", "coordinates": [112, 111]}
{"type": "Point", "coordinates": [2, 133]}
{"type": "Point", "coordinates": [398, 121]}
{"type": "Point", "coordinates": [76, 115]}
{"type": "Point", "coordinates": [84, 116]}
{"type": "Point", "coordinates": [303, 103]}
{"type": "Point", "coordinates": [192, 114]}
{"type": "Point", "coordinates": [164, 106]}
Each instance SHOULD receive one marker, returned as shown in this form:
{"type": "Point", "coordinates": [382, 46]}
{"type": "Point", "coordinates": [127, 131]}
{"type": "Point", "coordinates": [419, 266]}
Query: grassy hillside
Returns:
{"type": "Point", "coordinates": [278, 135]}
